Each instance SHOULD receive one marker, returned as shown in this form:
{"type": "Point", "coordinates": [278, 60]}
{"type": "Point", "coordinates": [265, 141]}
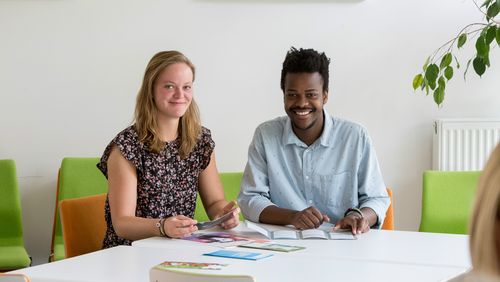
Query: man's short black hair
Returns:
{"type": "Point", "coordinates": [305, 60]}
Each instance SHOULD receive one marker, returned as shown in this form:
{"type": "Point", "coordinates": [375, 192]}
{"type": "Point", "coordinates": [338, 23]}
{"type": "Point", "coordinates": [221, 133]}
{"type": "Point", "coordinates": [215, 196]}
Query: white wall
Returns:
{"type": "Point", "coordinates": [70, 70]}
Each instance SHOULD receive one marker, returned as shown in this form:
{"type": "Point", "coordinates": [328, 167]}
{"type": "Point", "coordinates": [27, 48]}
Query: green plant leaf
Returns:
{"type": "Point", "coordinates": [486, 61]}
{"type": "Point", "coordinates": [432, 84]}
{"type": "Point", "coordinates": [456, 60]}
{"type": "Point", "coordinates": [481, 47]}
{"type": "Point", "coordinates": [486, 3]}
{"type": "Point", "coordinates": [448, 72]}
{"type": "Point", "coordinates": [441, 83]}
{"type": "Point", "coordinates": [493, 11]}
{"type": "Point", "coordinates": [426, 89]}
{"type": "Point", "coordinates": [446, 60]}
{"type": "Point", "coordinates": [490, 34]}
{"type": "Point", "coordinates": [417, 81]}
{"type": "Point", "coordinates": [431, 74]}
{"type": "Point", "coordinates": [462, 39]}
{"type": "Point", "coordinates": [479, 66]}
{"type": "Point", "coordinates": [483, 31]}
{"type": "Point", "coordinates": [426, 64]}
{"type": "Point", "coordinates": [439, 95]}
{"type": "Point", "coordinates": [498, 35]}
{"type": "Point", "coordinates": [467, 68]}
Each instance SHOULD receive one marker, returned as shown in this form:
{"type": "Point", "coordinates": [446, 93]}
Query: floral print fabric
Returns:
{"type": "Point", "coordinates": [166, 185]}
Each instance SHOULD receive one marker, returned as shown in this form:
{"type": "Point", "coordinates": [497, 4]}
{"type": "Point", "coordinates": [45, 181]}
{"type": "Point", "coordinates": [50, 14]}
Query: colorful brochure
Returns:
{"type": "Point", "coordinates": [273, 247]}
{"type": "Point", "coordinates": [210, 224]}
{"type": "Point", "coordinates": [220, 239]}
{"type": "Point", "coordinates": [190, 265]}
{"type": "Point", "coordinates": [238, 255]}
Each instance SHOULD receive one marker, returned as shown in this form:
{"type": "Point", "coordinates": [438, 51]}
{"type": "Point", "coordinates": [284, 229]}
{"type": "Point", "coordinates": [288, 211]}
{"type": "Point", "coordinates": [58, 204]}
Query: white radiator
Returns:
{"type": "Point", "coordinates": [464, 144]}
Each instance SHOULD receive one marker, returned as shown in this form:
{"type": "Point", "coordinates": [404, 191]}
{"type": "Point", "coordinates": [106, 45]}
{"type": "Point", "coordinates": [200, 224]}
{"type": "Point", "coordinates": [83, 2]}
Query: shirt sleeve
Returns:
{"type": "Point", "coordinates": [372, 190]}
{"type": "Point", "coordinates": [207, 147]}
{"type": "Point", "coordinates": [254, 190]}
{"type": "Point", "coordinates": [128, 144]}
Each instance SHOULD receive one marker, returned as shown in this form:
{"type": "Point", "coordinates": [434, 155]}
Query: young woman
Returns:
{"type": "Point", "coordinates": [156, 166]}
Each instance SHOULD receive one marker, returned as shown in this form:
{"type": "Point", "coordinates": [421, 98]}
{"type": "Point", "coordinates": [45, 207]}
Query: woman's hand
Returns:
{"type": "Point", "coordinates": [179, 226]}
{"type": "Point", "coordinates": [234, 220]}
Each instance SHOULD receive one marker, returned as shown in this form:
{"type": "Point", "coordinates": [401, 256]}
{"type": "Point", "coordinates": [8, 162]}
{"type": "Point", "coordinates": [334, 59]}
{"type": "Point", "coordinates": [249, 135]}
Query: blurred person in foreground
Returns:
{"type": "Point", "coordinates": [485, 226]}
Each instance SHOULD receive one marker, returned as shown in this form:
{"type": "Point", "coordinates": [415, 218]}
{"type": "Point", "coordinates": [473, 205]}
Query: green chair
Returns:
{"type": "Point", "coordinates": [447, 200]}
{"type": "Point", "coordinates": [78, 177]}
{"type": "Point", "coordinates": [13, 255]}
{"type": "Point", "coordinates": [231, 183]}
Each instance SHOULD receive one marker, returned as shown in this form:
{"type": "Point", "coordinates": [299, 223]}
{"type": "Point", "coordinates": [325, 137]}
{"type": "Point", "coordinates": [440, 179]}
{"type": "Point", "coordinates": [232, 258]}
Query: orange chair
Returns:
{"type": "Point", "coordinates": [389, 215]}
{"type": "Point", "coordinates": [83, 224]}
{"type": "Point", "coordinates": [78, 177]}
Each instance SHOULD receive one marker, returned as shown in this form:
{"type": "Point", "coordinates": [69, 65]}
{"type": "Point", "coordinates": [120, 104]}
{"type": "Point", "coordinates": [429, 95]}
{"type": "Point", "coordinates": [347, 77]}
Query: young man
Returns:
{"type": "Point", "coordinates": [309, 167]}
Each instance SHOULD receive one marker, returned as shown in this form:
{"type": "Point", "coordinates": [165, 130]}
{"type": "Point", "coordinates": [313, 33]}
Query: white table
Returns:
{"type": "Point", "coordinates": [375, 256]}
{"type": "Point", "coordinates": [401, 247]}
{"type": "Point", "coordinates": [133, 263]}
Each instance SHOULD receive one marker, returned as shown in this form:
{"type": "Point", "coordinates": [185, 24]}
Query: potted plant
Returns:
{"type": "Point", "coordinates": [439, 68]}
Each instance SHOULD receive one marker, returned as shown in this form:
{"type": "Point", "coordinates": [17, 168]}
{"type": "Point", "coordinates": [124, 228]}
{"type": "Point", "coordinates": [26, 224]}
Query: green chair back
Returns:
{"type": "Point", "coordinates": [78, 177]}
{"type": "Point", "coordinates": [13, 255]}
{"type": "Point", "coordinates": [447, 200]}
{"type": "Point", "coordinates": [231, 183]}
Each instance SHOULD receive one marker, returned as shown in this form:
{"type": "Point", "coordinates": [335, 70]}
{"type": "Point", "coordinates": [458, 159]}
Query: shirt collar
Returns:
{"type": "Point", "coordinates": [325, 139]}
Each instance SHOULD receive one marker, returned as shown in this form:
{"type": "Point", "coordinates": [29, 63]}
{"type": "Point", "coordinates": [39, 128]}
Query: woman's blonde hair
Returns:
{"type": "Point", "coordinates": [485, 216]}
{"type": "Point", "coordinates": [145, 108]}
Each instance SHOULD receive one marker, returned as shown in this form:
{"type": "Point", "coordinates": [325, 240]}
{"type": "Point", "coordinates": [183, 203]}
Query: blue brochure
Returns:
{"type": "Point", "coordinates": [238, 255]}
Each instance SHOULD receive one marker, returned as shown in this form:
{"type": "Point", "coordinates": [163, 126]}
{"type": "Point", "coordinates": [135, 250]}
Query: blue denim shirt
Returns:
{"type": "Point", "coordinates": [338, 171]}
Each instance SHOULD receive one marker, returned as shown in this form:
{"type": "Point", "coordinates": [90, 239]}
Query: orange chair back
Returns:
{"type": "Point", "coordinates": [389, 215]}
{"type": "Point", "coordinates": [83, 224]}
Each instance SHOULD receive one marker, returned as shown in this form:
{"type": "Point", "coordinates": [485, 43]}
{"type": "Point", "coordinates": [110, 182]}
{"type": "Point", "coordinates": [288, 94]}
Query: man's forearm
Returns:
{"type": "Point", "coordinates": [370, 215]}
{"type": "Point", "coordinates": [276, 215]}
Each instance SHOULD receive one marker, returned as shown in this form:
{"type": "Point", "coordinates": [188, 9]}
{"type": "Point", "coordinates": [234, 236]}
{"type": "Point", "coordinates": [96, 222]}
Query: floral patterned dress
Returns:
{"type": "Point", "coordinates": [166, 185]}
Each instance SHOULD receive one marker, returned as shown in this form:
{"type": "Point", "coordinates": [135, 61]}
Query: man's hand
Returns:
{"type": "Point", "coordinates": [355, 222]}
{"type": "Point", "coordinates": [308, 218]}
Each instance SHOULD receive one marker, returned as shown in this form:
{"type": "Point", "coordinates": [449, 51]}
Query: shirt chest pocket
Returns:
{"type": "Point", "coordinates": [336, 190]}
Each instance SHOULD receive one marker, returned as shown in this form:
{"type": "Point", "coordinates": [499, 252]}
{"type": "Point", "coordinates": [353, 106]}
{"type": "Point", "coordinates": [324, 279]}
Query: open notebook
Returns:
{"type": "Point", "coordinates": [285, 232]}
